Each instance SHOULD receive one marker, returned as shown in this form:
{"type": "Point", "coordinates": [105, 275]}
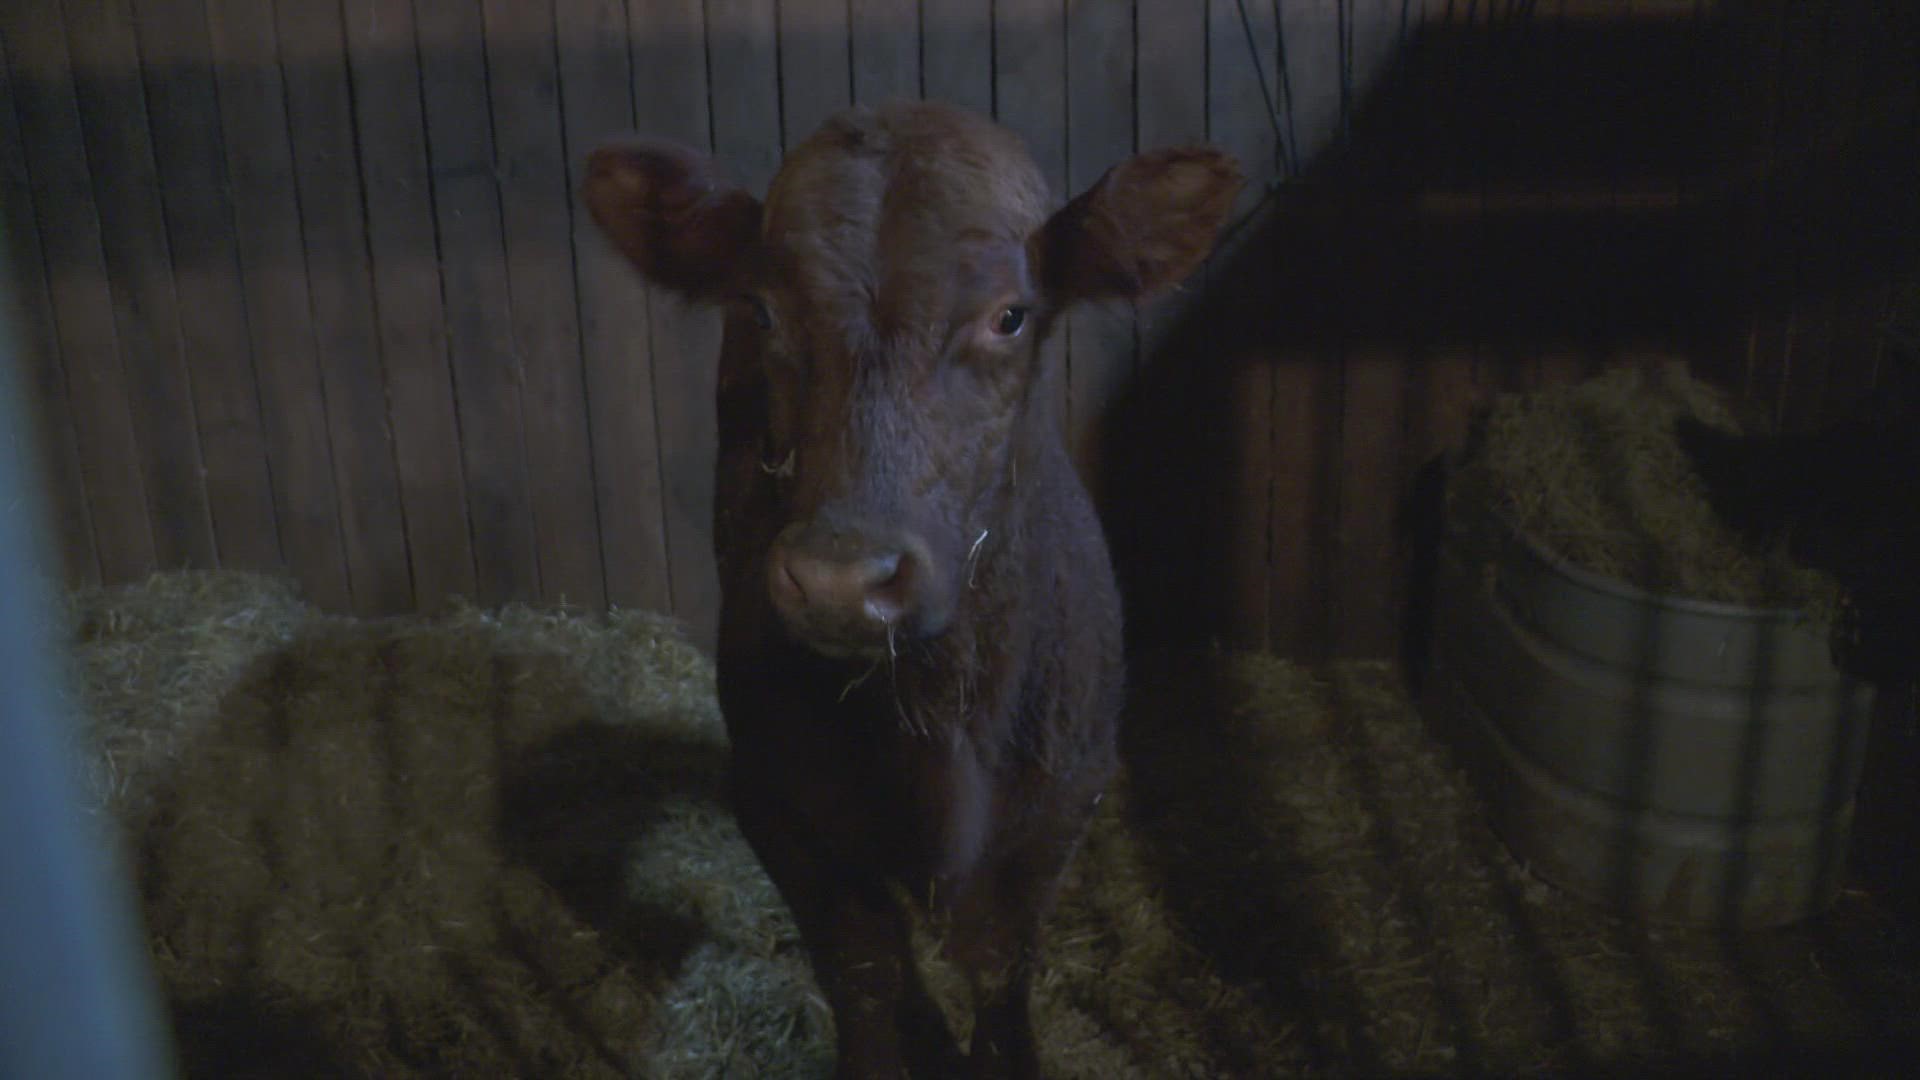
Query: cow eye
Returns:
{"type": "Point", "coordinates": [757, 308]}
{"type": "Point", "coordinates": [1010, 320]}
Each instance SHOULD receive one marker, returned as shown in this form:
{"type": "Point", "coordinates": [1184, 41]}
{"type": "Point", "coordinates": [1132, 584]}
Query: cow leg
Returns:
{"type": "Point", "coordinates": [996, 942]}
{"type": "Point", "coordinates": [860, 940]}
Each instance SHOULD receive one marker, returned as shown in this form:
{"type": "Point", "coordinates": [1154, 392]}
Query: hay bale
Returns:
{"type": "Point", "coordinates": [153, 661]}
{"type": "Point", "coordinates": [485, 844]}
{"type": "Point", "coordinates": [1593, 471]}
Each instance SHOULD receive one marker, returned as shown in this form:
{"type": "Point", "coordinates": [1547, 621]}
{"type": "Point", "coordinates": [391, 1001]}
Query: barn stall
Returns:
{"type": "Point", "coordinates": [411, 743]}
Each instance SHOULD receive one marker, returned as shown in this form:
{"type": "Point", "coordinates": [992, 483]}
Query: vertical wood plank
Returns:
{"type": "Point", "coordinates": [30, 313]}
{"type": "Point", "coordinates": [742, 45]}
{"type": "Point", "coordinates": [1170, 61]}
{"type": "Point", "coordinates": [1376, 460]}
{"type": "Point", "coordinates": [1100, 95]}
{"type": "Point", "coordinates": [1373, 470]}
{"type": "Point", "coordinates": [956, 54]}
{"type": "Point", "coordinates": [1310, 90]}
{"type": "Point", "coordinates": [471, 247]}
{"type": "Point", "coordinates": [176, 61]}
{"type": "Point", "coordinates": [46, 105]}
{"type": "Point", "coordinates": [1237, 119]}
{"type": "Point", "coordinates": [532, 165]}
{"type": "Point", "coordinates": [1306, 415]}
{"type": "Point", "coordinates": [113, 118]}
{"type": "Point", "coordinates": [1803, 395]}
{"type": "Point", "coordinates": [337, 313]}
{"type": "Point", "coordinates": [1161, 468]}
{"type": "Point", "coordinates": [597, 89]}
{"type": "Point", "coordinates": [1030, 99]}
{"type": "Point", "coordinates": [1778, 56]}
{"type": "Point", "coordinates": [272, 285]}
{"type": "Point", "coordinates": [671, 98]}
{"type": "Point", "coordinates": [383, 66]}
{"type": "Point", "coordinates": [1858, 315]}
{"type": "Point", "coordinates": [885, 50]}
{"type": "Point", "coordinates": [816, 76]}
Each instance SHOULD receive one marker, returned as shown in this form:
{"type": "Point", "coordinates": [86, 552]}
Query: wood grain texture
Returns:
{"type": "Point", "coordinates": [1100, 94]}
{"type": "Point", "coordinates": [597, 90]}
{"type": "Point", "coordinates": [82, 303]}
{"type": "Point", "coordinates": [523, 83]}
{"type": "Point", "coordinates": [382, 60]}
{"type": "Point", "coordinates": [957, 54]}
{"type": "Point", "coordinates": [1030, 99]}
{"type": "Point", "coordinates": [176, 61]}
{"type": "Point", "coordinates": [816, 67]}
{"type": "Point", "coordinates": [673, 99]}
{"type": "Point", "coordinates": [884, 50]}
{"type": "Point", "coordinates": [29, 315]}
{"type": "Point", "coordinates": [1238, 120]}
{"type": "Point", "coordinates": [469, 242]}
{"type": "Point", "coordinates": [272, 285]}
{"type": "Point", "coordinates": [309, 285]}
{"type": "Point", "coordinates": [338, 274]}
{"type": "Point", "coordinates": [146, 309]}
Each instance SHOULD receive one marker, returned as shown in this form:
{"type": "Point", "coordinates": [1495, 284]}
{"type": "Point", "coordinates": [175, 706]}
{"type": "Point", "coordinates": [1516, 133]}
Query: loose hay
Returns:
{"type": "Point", "coordinates": [1593, 471]}
{"type": "Point", "coordinates": [494, 845]}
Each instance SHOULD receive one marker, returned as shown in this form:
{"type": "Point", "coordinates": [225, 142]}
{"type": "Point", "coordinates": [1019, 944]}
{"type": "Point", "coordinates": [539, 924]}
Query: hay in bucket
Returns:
{"type": "Point", "coordinates": [494, 844]}
{"type": "Point", "coordinates": [1593, 472]}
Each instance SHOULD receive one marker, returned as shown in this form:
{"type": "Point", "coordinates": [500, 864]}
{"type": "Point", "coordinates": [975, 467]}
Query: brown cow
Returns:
{"type": "Point", "coordinates": [920, 655]}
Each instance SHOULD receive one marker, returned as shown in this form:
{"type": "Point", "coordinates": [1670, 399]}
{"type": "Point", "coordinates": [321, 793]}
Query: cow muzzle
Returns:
{"type": "Point", "coordinates": [853, 592]}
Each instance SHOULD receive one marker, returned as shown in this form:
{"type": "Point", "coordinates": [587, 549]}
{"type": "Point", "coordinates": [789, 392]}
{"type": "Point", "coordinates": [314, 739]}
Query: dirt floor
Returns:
{"type": "Point", "coordinates": [492, 844]}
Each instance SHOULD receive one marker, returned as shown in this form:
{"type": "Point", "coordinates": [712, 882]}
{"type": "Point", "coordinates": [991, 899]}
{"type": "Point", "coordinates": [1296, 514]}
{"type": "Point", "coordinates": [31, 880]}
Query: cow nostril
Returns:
{"type": "Point", "coordinates": [786, 584]}
{"type": "Point", "coordinates": [889, 583]}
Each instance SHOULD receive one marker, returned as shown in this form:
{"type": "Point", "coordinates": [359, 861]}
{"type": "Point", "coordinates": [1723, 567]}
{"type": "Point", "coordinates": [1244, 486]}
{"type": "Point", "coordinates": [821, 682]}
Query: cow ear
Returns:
{"type": "Point", "coordinates": [1142, 227]}
{"type": "Point", "coordinates": [662, 207]}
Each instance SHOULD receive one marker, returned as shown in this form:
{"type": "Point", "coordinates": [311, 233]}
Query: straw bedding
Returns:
{"type": "Point", "coordinates": [494, 844]}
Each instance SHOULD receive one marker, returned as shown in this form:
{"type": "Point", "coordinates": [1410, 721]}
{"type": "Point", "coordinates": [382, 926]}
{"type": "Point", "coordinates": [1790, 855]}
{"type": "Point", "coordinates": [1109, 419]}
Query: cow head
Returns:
{"type": "Point", "coordinates": [893, 290]}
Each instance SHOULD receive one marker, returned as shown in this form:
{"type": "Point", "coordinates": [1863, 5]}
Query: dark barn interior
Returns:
{"type": "Point", "coordinates": [304, 292]}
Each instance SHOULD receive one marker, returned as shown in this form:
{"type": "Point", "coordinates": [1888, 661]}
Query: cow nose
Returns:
{"type": "Point", "coordinates": [834, 589]}
{"type": "Point", "coordinates": [869, 585]}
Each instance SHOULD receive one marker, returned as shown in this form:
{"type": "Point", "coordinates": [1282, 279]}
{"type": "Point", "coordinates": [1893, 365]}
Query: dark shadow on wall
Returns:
{"type": "Point", "coordinates": [1509, 191]}
{"type": "Point", "coordinates": [1582, 188]}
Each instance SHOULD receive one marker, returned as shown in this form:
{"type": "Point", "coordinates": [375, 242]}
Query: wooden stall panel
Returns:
{"type": "Point", "coordinates": [884, 50]}
{"type": "Point", "coordinates": [1100, 68]}
{"type": "Point", "coordinates": [199, 246]}
{"type": "Point", "coordinates": [598, 90]}
{"type": "Point", "coordinates": [338, 275]}
{"type": "Point", "coordinates": [29, 315]}
{"type": "Point", "coordinates": [470, 244]}
{"type": "Point", "coordinates": [383, 66]}
{"type": "Point", "coordinates": [956, 53]}
{"type": "Point", "coordinates": [530, 159]}
{"type": "Point", "coordinates": [1029, 98]}
{"type": "Point", "coordinates": [1242, 76]}
{"type": "Point", "coordinates": [146, 309]}
{"type": "Point", "coordinates": [318, 291]}
{"type": "Point", "coordinates": [671, 99]}
{"type": "Point", "coordinates": [816, 67]}
{"type": "Point", "coordinates": [272, 285]}
{"type": "Point", "coordinates": [175, 58]}
{"type": "Point", "coordinates": [82, 304]}
{"type": "Point", "coordinates": [1377, 358]}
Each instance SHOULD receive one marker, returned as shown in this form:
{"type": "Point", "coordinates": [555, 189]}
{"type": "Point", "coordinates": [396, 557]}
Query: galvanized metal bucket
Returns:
{"type": "Point", "coordinates": [1684, 760]}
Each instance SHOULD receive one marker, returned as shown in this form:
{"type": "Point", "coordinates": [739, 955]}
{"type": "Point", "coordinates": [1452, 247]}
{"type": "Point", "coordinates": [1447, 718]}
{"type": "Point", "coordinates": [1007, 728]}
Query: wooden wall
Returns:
{"type": "Point", "coordinates": [306, 287]}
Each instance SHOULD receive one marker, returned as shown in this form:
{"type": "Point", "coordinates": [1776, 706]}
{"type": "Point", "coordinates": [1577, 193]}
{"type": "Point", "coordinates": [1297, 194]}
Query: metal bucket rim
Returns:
{"type": "Point", "coordinates": [1626, 590]}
